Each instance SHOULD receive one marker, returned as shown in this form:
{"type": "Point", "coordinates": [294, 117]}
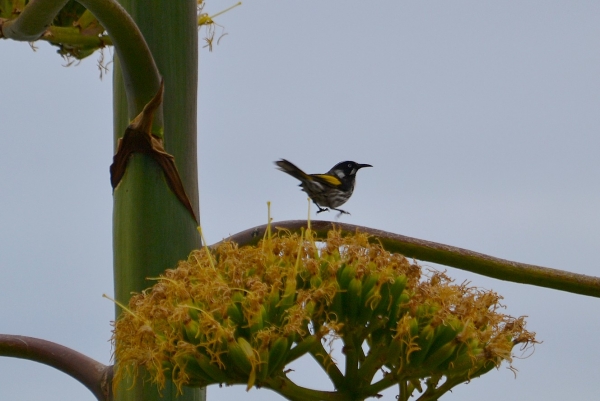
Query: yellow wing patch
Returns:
{"type": "Point", "coordinates": [328, 178]}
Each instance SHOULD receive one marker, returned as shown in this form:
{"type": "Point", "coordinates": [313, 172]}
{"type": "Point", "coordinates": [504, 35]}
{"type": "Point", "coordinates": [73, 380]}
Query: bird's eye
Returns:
{"type": "Point", "coordinates": [350, 165]}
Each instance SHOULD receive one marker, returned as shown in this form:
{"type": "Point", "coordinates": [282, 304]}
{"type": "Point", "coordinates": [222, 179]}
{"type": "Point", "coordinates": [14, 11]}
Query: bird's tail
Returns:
{"type": "Point", "coordinates": [291, 169]}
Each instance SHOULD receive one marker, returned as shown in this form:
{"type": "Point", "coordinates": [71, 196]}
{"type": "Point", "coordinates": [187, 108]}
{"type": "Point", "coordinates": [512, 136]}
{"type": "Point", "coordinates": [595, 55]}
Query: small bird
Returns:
{"type": "Point", "coordinates": [329, 190]}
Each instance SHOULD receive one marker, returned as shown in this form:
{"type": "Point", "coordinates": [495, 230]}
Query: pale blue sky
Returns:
{"type": "Point", "coordinates": [480, 119]}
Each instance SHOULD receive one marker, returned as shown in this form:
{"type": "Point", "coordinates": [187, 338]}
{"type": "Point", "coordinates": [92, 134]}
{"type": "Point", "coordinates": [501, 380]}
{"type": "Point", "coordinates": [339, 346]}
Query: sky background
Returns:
{"type": "Point", "coordinates": [481, 120]}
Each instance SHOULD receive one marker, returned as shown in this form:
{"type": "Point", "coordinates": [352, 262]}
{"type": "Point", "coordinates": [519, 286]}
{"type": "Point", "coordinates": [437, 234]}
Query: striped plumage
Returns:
{"type": "Point", "coordinates": [329, 190]}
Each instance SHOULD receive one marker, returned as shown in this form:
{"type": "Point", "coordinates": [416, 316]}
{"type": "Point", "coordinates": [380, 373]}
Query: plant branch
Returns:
{"type": "Point", "coordinates": [372, 363]}
{"type": "Point", "coordinates": [301, 348]}
{"type": "Point", "coordinates": [433, 393]}
{"type": "Point", "coordinates": [324, 360]}
{"type": "Point", "coordinates": [403, 394]}
{"type": "Point", "coordinates": [140, 73]}
{"type": "Point", "coordinates": [72, 36]}
{"type": "Point", "coordinates": [387, 381]}
{"type": "Point", "coordinates": [92, 374]}
{"type": "Point", "coordinates": [351, 355]}
{"type": "Point", "coordinates": [292, 391]}
{"type": "Point", "coordinates": [33, 21]}
{"type": "Point", "coordinates": [446, 255]}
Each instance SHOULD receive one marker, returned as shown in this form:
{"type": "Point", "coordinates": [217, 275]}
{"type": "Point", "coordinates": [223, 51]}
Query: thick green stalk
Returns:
{"type": "Point", "coordinates": [152, 230]}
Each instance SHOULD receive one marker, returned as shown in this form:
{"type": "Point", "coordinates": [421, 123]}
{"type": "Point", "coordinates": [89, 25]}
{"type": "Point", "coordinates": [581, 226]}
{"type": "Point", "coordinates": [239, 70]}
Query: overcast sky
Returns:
{"type": "Point", "coordinates": [481, 120]}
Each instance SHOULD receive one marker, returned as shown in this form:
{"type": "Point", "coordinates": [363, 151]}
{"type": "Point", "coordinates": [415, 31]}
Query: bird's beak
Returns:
{"type": "Point", "coordinates": [363, 165]}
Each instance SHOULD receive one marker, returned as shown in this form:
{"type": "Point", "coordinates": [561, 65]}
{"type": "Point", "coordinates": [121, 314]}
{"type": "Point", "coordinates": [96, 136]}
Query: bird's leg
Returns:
{"type": "Point", "coordinates": [320, 208]}
{"type": "Point", "coordinates": [341, 211]}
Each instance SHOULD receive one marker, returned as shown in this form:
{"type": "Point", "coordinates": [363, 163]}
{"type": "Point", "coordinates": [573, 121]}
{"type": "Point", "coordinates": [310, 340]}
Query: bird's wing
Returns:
{"type": "Point", "coordinates": [329, 179]}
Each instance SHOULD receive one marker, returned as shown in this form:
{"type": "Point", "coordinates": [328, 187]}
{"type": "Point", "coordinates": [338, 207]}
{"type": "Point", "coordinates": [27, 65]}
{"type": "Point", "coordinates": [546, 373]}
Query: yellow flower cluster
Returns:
{"type": "Point", "coordinates": [239, 315]}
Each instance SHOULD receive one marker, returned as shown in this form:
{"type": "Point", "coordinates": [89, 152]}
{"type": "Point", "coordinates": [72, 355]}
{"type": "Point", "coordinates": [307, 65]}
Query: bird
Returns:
{"type": "Point", "coordinates": [330, 190]}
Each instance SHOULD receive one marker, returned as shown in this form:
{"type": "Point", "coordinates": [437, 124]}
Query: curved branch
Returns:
{"type": "Point", "coordinates": [446, 255]}
{"type": "Point", "coordinates": [290, 390]}
{"type": "Point", "coordinates": [33, 21]}
{"type": "Point", "coordinates": [140, 74]}
{"type": "Point", "coordinates": [89, 372]}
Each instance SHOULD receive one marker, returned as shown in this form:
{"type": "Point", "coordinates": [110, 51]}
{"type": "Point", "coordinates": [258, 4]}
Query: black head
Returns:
{"type": "Point", "coordinates": [347, 168]}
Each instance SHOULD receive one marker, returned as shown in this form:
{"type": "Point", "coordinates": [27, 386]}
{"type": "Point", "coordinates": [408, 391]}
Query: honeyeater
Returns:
{"type": "Point", "coordinates": [329, 190]}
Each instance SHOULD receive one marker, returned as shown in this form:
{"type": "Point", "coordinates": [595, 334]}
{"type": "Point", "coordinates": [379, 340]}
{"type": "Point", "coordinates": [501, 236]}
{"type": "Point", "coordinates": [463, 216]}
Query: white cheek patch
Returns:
{"type": "Point", "coordinates": [353, 171]}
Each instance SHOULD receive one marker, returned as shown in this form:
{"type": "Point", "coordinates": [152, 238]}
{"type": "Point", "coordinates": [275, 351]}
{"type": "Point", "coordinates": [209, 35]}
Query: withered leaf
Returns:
{"type": "Point", "coordinates": [138, 139]}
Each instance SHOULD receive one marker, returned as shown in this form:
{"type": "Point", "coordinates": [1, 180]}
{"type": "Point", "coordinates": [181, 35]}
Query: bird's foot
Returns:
{"type": "Point", "coordinates": [322, 209]}
{"type": "Point", "coordinates": [341, 212]}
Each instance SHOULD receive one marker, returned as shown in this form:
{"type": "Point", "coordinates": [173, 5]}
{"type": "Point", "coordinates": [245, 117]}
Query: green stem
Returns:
{"type": "Point", "coordinates": [351, 354]}
{"type": "Point", "coordinates": [139, 71]}
{"type": "Point", "coordinates": [447, 255]}
{"type": "Point", "coordinates": [292, 391]}
{"type": "Point", "coordinates": [323, 358]}
{"type": "Point", "coordinates": [72, 36]}
{"type": "Point", "coordinates": [152, 231]}
{"type": "Point", "coordinates": [374, 389]}
{"type": "Point", "coordinates": [301, 348]}
{"type": "Point", "coordinates": [33, 21]}
{"type": "Point", "coordinates": [432, 393]}
{"type": "Point", "coordinates": [403, 390]}
{"type": "Point", "coordinates": [372, 363]}
{"type": "Point", "coordinates": [239, 3]}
